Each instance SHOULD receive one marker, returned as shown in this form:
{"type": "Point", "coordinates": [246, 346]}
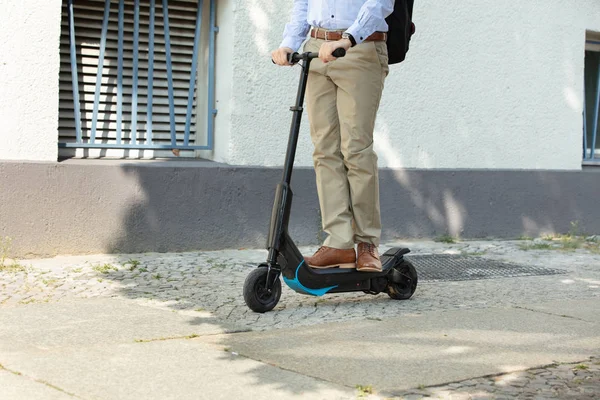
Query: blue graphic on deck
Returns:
{"type": "Point", "coordinates": [300, 288]}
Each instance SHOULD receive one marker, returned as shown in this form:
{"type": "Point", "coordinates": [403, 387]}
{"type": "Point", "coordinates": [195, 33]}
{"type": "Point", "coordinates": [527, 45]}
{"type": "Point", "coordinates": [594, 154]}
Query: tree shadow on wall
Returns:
{"type": "Point", "coordinates": [202, 205]}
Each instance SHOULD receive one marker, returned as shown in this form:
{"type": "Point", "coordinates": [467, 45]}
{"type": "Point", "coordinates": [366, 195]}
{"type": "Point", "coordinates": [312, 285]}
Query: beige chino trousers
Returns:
{"type": "Point", "coordinates": [342, 100]}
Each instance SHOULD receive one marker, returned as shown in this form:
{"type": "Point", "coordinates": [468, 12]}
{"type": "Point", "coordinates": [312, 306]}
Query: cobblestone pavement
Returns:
{"type": "Point", "coordinates": [213, 281]}
{"type": "Point", "coordinates": [567, 381]}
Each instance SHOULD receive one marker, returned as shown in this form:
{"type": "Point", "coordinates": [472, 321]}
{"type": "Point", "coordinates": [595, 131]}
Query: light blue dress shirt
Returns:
{"type": "Point", "coordinates": [360, 18]}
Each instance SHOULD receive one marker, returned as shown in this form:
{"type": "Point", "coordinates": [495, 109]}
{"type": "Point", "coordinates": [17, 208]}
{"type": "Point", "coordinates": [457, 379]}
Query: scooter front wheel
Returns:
{"type": "Point", "coordinates": [256, 294]}
{"type": "Point", "coordinates": [402, 281]}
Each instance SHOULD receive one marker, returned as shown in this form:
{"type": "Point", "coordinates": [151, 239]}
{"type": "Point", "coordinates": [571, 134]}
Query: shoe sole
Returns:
{"type": "Point", "coordinates": [346, 266]}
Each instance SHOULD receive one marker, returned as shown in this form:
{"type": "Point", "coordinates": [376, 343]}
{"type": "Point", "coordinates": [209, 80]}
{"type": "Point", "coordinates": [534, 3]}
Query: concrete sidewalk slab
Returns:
{"type": "Point", "coordinates": [172, 369]}
{"type": "Point", "coordinates": [585, 310]}
{"type": "Point", "coordinates": [88, 347]}
{"type": "Point", "coordinates": [22, 388]}
{"type": "Point", "coordinates": [429, 349]}
{"type": "Point", "coordinates": [86, 322]}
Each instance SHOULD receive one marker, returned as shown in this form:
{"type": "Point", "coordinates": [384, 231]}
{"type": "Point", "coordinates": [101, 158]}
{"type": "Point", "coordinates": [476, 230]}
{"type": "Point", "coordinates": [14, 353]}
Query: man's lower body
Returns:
{"type": "Point", "coordinates": [342, 99]}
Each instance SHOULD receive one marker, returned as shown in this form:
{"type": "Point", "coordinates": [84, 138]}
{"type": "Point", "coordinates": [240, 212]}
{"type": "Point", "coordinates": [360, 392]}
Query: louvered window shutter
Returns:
{"type": "Point", "coordinates": [88, 18]}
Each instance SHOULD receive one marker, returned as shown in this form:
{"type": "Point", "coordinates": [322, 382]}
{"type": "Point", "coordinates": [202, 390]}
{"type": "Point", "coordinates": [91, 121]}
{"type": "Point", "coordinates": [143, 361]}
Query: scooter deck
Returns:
{"type": "Point", "coordinates": [318, 282]}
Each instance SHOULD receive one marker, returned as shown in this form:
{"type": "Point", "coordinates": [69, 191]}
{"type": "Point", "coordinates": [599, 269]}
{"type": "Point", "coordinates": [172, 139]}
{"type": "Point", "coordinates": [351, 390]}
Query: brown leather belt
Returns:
{"type": "Point", "coordinates": [319, 33]}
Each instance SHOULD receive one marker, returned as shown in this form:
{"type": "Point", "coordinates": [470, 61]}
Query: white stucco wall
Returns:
{"type": "Point", "coordinates": [487, 84]}
{"type": "Point", "coordinates": [29, 66]}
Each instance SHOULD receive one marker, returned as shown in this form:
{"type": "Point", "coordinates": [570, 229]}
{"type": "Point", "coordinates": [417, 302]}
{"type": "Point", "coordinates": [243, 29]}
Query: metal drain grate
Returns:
{"type": "Point", "coordinates": [450, 267]}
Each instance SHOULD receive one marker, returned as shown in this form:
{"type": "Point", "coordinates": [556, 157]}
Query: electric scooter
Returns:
{"type": "Point", "coordinates": [262, 288]}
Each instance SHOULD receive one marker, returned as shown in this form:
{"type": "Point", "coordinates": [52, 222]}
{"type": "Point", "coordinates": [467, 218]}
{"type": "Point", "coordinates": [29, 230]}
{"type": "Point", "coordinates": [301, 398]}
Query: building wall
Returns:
{"type": "Point", "coordinates": [29, 66]}
{"type": "Point", "coordinates": [486, 84]}
{"type": "Point", "coordinates": [116, 206]}
{"type": "Point", "coordinates": [486, 88]}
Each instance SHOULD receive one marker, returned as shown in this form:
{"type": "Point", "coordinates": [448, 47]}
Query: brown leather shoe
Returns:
{"type": "Point", "coordinates": [368, 258]}
{"type": "Point", "coordinates": [328, 257]}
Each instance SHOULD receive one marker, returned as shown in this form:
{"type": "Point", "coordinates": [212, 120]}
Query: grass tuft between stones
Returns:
{"type": "Point", "coordinates": [364, 391]}
{"type": "Point", "coordinates": [105, 268]}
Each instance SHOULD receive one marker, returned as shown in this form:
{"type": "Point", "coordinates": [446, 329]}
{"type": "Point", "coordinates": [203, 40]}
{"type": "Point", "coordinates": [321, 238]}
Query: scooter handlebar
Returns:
{"type": "Point", "coordinates": [293, 58]}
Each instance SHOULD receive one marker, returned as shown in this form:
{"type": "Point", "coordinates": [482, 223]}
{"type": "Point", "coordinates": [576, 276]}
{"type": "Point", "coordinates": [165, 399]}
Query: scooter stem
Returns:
{"type": "Point", "coordinates": [297, 109]}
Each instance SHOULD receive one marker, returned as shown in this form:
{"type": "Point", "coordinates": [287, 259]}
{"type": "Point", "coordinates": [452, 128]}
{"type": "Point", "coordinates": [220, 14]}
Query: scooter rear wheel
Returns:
{"type": "Point", "coordinates": [256, 295]}
{"type": "Point", "coordinates": [402, 281]}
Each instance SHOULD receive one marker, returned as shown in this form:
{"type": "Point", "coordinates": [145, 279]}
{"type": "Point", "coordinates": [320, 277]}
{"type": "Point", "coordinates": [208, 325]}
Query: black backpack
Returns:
{"type": "Point", "coordinates": [400, 30]}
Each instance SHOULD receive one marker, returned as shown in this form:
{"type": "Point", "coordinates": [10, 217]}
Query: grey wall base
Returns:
{"type": "Point", "coordinates": [87, 206]}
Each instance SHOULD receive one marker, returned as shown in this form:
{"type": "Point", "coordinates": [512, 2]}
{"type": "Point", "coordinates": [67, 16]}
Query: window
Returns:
{"type": "Point", "coordinates": [131, 77]}
{"type": "Point", "coordinates": [591, 139]}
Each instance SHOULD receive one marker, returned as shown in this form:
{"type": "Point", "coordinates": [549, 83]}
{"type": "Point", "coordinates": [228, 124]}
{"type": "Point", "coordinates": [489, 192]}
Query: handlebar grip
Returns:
{"type": "Point", "coordinates": [337, 53]}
